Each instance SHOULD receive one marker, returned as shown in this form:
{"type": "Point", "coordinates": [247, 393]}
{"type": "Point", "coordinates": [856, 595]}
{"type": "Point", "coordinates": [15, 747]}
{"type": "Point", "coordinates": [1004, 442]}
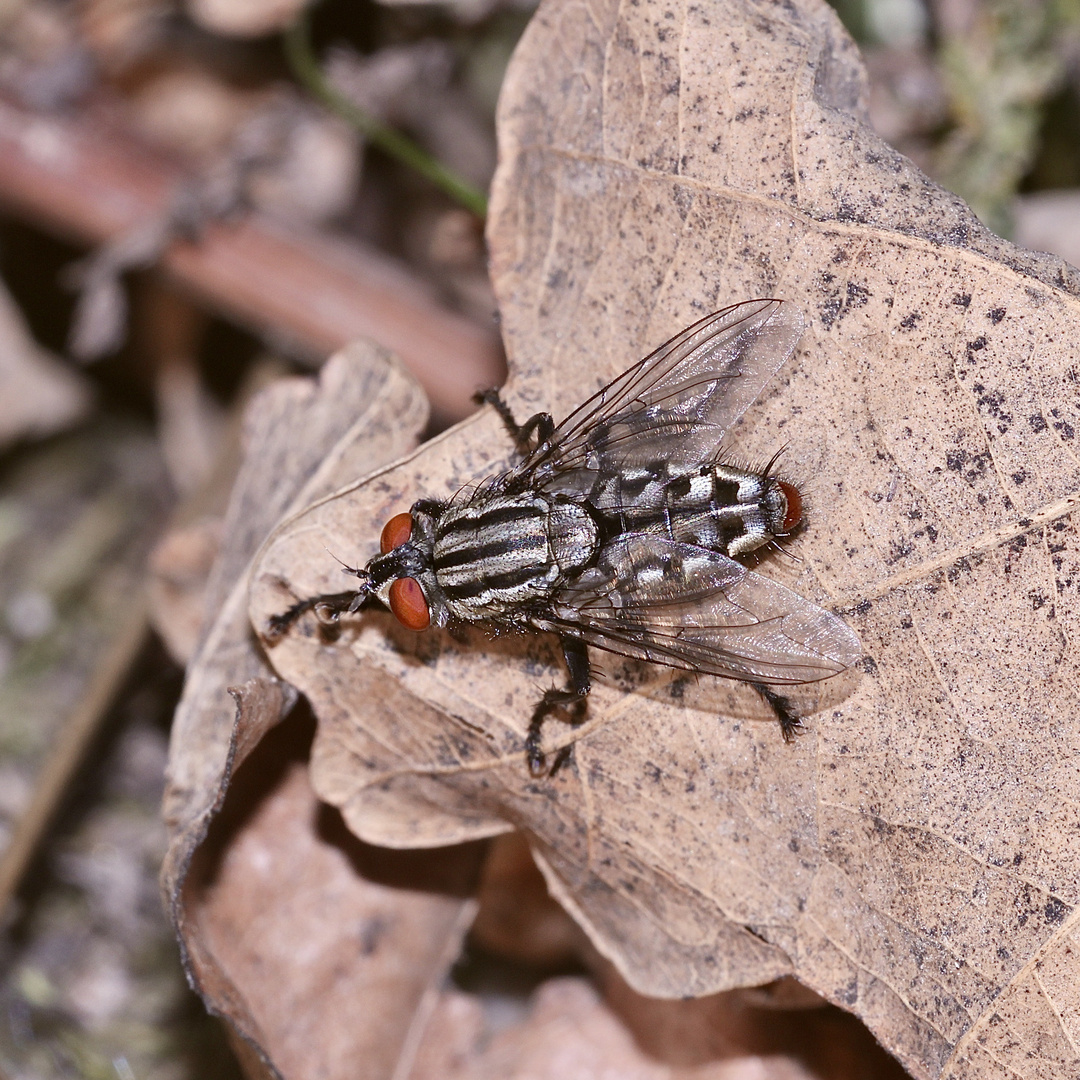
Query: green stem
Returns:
{"type": "Point", "coordinates": [306, 68]}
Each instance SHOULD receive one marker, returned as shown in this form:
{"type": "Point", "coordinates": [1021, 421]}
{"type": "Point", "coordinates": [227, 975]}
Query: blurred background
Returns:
{"type": "Point", "coordinates": [198, 198]}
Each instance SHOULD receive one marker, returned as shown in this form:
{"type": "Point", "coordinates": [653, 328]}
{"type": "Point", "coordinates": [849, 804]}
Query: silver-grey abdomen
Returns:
{"type": "Point", "coordinates": [719, 507]}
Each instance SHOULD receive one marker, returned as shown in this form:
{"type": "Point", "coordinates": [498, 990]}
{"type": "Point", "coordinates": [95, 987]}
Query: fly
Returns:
{"type": "Point", "coordinates": [622, 529]}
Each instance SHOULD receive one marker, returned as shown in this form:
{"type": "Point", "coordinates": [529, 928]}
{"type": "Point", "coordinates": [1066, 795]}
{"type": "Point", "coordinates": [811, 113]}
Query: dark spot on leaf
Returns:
{"type": "Point", "coordinates": [899, 550]}
{"type": "Point", "coordinates": [882, 827]}
{"type": "Point", "coordinates": [829, 311]}
{"type": "Point", "coordinates": [961, 566]}
{"type": "Point", "coordinates": [1055, 911]}
{"type": "Point", "coordinates": [956, 459]}
{"type": "Point", "coordinates": [857, 295]}
{"type": "Point", "coordinates": [371, 932]}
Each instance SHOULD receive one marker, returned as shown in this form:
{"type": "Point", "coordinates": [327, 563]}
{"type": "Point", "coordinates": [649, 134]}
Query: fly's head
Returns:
{"type": "Point", "coordinates": [401, 576]}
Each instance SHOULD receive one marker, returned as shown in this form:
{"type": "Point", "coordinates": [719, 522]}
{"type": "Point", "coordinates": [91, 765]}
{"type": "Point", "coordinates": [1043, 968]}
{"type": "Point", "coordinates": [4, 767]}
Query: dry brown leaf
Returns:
{"type": "Point", "coordinates": [516, 917]}
{"type": "Point", "coordinates": [180, 566]}
{"type": "Point", "coordinates": [291, 923]}
{"type": "Point", "coordinates": [569, 1033]}
{"type": "Point", "coordinates": [914, 857]}
{"type": "Point", "coordinates": [244, 887]}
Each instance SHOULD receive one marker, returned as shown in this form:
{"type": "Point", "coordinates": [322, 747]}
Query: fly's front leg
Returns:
{"type": "Point", "coordinates": [790, 721]}
{"type": "Point", "coordinates": [576, 655]}
{"type": "Point", "coordinates": [542, 423]}
{"type": "Point", "coordinates": [328, 606]}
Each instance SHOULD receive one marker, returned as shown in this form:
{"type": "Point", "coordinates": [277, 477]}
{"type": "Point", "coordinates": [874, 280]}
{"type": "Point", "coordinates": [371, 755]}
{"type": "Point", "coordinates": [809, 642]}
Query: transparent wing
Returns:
{"type": "Point", "coordinates": [687, 607]}
{"type": "Point", "coordinates": [676, 405]}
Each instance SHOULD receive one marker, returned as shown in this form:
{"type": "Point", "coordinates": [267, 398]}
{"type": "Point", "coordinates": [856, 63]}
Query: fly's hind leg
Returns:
{"type": "Point", "coordinates": [791, 723]}
{"type": "Point", "coordinates": [577, 664]}
{"type": "Point", "coordinates": [541, 424]}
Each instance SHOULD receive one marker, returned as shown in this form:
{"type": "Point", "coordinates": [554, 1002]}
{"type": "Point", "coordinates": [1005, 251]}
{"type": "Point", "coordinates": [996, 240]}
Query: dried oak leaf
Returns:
{"type": "Point", "coordinates": [568, 1032]}
{"type": "Point", "coordinates": [254, 864]}
{"type": "Point", "coordinates": [914, 856]}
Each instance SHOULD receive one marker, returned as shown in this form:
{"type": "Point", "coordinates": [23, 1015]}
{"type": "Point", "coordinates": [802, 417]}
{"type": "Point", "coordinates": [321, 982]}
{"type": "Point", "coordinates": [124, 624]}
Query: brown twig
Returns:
{"type": "Point", "coordinates": [85, 176]}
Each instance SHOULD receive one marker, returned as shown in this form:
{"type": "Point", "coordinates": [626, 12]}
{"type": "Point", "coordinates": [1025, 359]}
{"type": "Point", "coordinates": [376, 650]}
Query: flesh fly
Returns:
{"type": "Point", "coordinates": [622, 529]}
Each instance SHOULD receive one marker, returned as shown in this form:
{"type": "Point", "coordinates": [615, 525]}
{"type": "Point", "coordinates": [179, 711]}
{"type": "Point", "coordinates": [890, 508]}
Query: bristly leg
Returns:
{"type": "Point", "coordinates": [576, 655]}
{"type": "Point", "coordinates": [542, 423]}
{"type": "Point", "coordinates": [791, 723]}
{"type": "Point", "coordinates": [335, 603]}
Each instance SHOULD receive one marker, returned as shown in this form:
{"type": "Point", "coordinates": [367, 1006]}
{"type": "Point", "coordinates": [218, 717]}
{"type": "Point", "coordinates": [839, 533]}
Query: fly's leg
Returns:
{"type": "Point", "coordinates": [577, 664]}
{"type": "Point", "coordinates": [790, 721]}
{"type": "Point", "coordinates": [542, 423]}
{"type": "Point", "coordinates": [332, 604]}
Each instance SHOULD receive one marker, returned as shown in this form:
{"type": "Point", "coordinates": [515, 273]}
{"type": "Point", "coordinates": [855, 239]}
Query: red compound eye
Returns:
{"type": "Point", "coordinates": [395, 532]}
{"type": "Point", "coordinates": [408, 603]}
{"type": "Point", "coordinates": [794, 506]}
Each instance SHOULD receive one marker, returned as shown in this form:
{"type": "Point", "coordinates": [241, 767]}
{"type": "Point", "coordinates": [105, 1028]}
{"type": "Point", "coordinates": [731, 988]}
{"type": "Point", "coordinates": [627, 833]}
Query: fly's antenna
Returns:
{"type": "Point", "coordinates": [355, 571]}
{"type": "Point", "coordinates": [344, 565]}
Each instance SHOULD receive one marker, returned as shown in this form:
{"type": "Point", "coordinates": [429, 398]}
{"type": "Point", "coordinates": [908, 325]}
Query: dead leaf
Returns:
{"type": "Point", "coordinates": [245, 886]}
{"type": "Point", "coordinates": [569, 1028]}
{"type": "Point", "coordinates": [290, 922]}
{"type": "Point", "coordinates": [516, 918]}
{"type": "Point", "coordinates": [569, 1033]}
{"type": "Point", "coordinates": [244, 18]}
{"type": "Point", "coordinates": [179, 568]}
{"type": "Point", "coordinates": [913, 857]}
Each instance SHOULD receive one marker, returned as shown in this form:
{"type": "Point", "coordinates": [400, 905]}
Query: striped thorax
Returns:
{"type": "Point", "coordinates": [502, 554]}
